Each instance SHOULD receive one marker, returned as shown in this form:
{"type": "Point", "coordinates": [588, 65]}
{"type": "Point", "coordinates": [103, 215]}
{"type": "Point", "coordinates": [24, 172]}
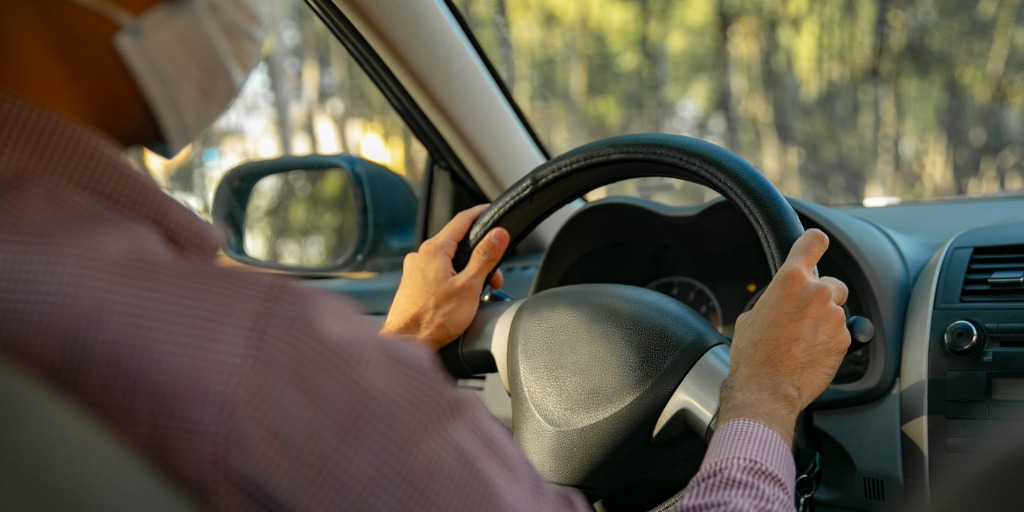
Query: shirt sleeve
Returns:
{"type": "Point", "coordinates": [747, 467]}
{"type": "Point", "coordinates": [327, 416]}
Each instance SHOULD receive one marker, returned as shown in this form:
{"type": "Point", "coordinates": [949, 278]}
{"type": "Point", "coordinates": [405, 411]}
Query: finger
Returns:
{"type": "Point", "coordinates": [839, 290]}
{"type": "Point", "coordinates": [807, 250]}
{"type": "Point", "coordinates": [497, 280]}
{"type": "Point", "coordinates": [457, 228]}
{"type": "Point", "coordinates": [487, 255]}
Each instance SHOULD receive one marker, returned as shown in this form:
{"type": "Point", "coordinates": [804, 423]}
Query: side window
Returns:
{"type": "Point", "coordinates": [306, 97]}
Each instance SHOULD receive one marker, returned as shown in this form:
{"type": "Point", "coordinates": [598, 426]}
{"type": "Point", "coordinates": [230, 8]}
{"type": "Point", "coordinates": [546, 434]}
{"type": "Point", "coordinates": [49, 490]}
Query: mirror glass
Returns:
{"type": "Point", "coordinates": [302, 218]}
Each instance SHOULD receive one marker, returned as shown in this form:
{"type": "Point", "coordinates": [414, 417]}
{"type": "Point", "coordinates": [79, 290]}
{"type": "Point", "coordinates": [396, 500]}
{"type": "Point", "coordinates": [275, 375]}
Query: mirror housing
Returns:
{"type": "Point", "coordinates": [316, 214]}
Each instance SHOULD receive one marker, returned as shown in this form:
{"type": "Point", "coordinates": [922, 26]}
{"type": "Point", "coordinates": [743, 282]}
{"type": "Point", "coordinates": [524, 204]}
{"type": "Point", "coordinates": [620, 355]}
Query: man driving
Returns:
{"type": "Point", "coordinates": [249, 390]}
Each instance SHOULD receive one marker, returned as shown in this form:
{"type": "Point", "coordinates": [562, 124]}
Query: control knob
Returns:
{"type": "Point", "coordinates": [962, 337]}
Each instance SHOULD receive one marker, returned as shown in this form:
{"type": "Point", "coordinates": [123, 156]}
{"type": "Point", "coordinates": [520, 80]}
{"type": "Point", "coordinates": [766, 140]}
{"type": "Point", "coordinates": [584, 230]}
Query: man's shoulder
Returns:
{"type": "Point", "coordinates": [72, 272]}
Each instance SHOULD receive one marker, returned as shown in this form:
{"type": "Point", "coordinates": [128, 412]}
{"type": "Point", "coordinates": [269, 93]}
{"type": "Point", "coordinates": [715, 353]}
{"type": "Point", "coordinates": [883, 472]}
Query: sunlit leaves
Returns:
{"type": "Point", "coordinates": [833, 100]}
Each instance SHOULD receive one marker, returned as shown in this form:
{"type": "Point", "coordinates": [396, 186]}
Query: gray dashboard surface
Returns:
{"type": "Point", "coordinates": [935, 222]}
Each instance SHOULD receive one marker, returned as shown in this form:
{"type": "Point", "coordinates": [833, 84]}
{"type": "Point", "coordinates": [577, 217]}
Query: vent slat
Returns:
{"type": "Point", "coordinates": [994, 298]}
{"type": "Point", "coordinates": [874, 489]}
{"type": "Point", "coordinates": [994, 290]}
{"type": "Point", "coordinates": [998, 266]}
{"type": "Point", "coordinates": [1011, 256]}
{"type": "Point", "coordinates": [986, 261]}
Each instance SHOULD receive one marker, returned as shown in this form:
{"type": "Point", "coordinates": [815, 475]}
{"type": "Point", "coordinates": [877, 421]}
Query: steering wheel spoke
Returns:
{"type": "Point", "coordinates": [694, 404]}
{"type": "Point", "coordinates": [483, 348]}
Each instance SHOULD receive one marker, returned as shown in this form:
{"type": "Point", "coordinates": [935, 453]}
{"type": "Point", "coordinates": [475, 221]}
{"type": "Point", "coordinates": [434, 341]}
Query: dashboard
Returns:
{"type": "Point", "coordinates": [939, 388]}
{"type": "Point", "coordinates": [707, 257]}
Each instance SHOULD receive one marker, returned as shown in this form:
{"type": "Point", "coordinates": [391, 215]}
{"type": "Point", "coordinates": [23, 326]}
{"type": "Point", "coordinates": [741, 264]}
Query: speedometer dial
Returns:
{"type": "Point", "coordinates": [693, 293]}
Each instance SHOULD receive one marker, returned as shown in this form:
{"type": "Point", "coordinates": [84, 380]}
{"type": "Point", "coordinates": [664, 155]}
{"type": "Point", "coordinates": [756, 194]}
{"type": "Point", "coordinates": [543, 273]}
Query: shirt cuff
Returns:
{"type": "Point", "coordinates": [748, 439]}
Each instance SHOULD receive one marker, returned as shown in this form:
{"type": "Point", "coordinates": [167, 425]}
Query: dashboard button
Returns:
{"type": "Point", "coordinates": [962, 337]}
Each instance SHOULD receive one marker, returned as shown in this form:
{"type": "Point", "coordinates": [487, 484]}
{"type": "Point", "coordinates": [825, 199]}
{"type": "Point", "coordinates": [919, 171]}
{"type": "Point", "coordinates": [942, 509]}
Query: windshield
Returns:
{"type": "Point", "coordinates": [837, 102]}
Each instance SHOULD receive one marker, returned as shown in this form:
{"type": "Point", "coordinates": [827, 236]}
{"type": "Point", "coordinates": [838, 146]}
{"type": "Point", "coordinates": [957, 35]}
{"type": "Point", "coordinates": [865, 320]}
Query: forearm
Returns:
{"type": "Point", "coordinates": [771, 402]}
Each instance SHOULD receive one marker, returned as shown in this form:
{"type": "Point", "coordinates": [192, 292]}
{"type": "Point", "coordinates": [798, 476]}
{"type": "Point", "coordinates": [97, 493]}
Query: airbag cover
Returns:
{"type": "Point", "coordinates": [590, 368]}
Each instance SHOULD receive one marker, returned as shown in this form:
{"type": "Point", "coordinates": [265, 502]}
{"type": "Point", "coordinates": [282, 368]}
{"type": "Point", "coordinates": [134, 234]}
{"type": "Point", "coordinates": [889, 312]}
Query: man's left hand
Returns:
{"type": "Point", "coordinates": [434, 304]}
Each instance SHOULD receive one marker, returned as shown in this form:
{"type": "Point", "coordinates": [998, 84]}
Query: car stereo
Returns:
{"type": "Point", "coordinates": [975, 384]}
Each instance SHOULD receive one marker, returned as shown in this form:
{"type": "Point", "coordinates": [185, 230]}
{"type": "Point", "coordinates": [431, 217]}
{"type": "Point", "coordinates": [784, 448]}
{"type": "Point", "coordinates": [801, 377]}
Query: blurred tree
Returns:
{"type": "Point", "coordinates": [835, 101]}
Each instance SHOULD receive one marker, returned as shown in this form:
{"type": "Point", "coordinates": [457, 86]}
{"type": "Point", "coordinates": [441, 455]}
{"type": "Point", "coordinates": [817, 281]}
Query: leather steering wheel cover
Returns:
{"type": "Point", "coordinates": [567, 177]}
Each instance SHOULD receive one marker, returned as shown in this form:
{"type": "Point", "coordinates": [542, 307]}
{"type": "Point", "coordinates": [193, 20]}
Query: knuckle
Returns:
{"type": "Point", "coordinates": [820, 293]}
{"type": "Point", "coordinates": [466, 283]}
{"type": "Point", "coordinates": [844, 292]}
{"type": "Point", "coordinates": [428, 245]}
{"type": "Point", "coordinates": [836, 324]}
{"type": "Point", "coordinates": [844, 342]}
{"type": "Point", "coordinates": [410, 260]}
{"type": "Point", "coordinates": [743, 319]}
{"type": "Point", "coordinates": [842, 345]}
{"type": "Point", "coordinates": [837, 318]}
{"type": "Point", "coordinates": [436, 246]}
{"type": "Point", "coordinates": [840, 292]}
{"type": "Point", "coordinates": [791, 277]}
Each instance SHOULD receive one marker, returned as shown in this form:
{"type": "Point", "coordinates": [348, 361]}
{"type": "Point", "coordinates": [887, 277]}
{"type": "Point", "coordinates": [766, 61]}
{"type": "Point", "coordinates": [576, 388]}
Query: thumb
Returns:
{"type": "Point", "coordinates": [486, 255]}
{"type": "Point", "coordinates": [807, 250]}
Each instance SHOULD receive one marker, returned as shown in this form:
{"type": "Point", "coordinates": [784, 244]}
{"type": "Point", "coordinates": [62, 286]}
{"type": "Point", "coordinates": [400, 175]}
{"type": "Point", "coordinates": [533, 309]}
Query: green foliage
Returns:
{"type": "Point", "coordinates": [302, 218]}
{"type": "Point", "coordinates": [834, 101]}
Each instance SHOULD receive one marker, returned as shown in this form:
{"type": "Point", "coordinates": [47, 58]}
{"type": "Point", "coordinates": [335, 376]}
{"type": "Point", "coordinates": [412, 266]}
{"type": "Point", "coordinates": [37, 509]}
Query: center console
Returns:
{"type": "Point", "coordinates": [970, 380]}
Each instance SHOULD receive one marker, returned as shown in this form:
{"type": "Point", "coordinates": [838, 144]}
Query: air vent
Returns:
{"type": "Point", "coordinates": [995, 274]}
{"type": "Point", "coordinates": [874, 489]}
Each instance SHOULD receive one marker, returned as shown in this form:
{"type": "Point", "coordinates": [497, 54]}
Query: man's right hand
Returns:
{"type": "Point", "coordinates": [786, 350]}
{"type": "Point", "coordinates": [434, 304]}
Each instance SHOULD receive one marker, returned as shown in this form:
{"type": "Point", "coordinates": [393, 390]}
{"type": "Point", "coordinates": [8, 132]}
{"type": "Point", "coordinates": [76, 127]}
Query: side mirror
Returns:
{"type": "Point", "coordinates": [316, 214]}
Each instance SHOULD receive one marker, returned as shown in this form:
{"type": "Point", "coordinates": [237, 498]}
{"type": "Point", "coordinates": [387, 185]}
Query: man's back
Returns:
{"type": "Point", "coordinates": [225, 378]}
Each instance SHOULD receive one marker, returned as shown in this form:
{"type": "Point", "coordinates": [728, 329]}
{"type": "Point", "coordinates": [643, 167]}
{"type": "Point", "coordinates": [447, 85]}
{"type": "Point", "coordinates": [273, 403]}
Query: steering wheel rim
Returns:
{"type": "Point", "coordinates": [567, 177]}
{"type": "Point", "coordinates": [568, 450]}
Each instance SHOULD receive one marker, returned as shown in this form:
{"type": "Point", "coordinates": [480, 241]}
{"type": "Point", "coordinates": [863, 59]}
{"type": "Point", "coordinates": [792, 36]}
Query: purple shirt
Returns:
{"type": "Point", "coordinates": [249, 390]}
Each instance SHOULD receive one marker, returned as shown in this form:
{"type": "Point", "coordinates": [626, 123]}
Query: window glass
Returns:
{"type": "Point", "coordinates": [307, 96]}
{"type": "Point", "coordinates": [863, 101]}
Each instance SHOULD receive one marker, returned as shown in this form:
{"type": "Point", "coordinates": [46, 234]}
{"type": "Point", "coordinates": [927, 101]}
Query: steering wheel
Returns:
{"type": "Point", "coordinates": [609, 382]}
